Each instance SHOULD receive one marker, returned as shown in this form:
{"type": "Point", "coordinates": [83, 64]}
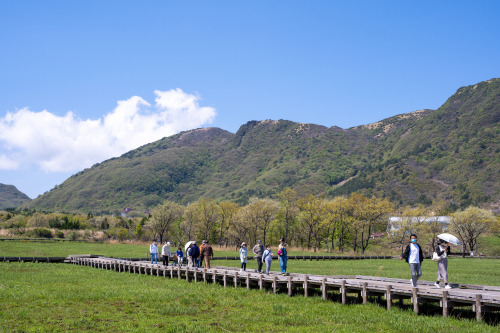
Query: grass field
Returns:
{"type": "Point", "coordinates": [58, 297]}
{"type": "Point", "coordinates": [461, 270]}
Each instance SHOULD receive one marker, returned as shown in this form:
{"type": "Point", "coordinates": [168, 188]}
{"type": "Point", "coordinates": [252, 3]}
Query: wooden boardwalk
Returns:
{"type": "Point", "coordinates": [480, 298]}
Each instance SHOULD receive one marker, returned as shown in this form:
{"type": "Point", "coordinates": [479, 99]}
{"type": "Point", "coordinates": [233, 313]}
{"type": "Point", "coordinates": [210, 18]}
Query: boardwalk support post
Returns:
{"type": "Point", "coordinates": [388, 296]}
{"type": "Point", "coordinates": [214, 275]}
{"type": "Point", "coordinates": [365, 296]}
{"type": "Point", "coordinates": [289, 286]}
{"type": "Point", "coordinates": [415, 300]}
{"type": "Point", "coordinates": [275, 284]}
{"type": "Point", "coordinates": [235, 279]}
{"type": "Point", "coordinates": [445, 303]}
{"type": "Point", "coordinates": [306, 294]}
{"type": "Point", "coordinates": [342, 291]}
{"type": "Point", "coordinates": [479, 310]}
{"type": "Point", "coordinates": [323, 288]}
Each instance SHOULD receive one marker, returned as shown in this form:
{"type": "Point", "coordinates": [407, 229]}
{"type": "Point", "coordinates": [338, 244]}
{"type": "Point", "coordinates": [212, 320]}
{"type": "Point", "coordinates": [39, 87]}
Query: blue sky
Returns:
{"type": "Point", "coordinates": [83, 81]}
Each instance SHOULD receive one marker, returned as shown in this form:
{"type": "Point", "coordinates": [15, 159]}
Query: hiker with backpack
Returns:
{"type": "Point", "coordinates": [267, 257]}
{"type": "Point", "coordinates": [283, 255]}
{"type": "Point", "coordinates": [258, 250]}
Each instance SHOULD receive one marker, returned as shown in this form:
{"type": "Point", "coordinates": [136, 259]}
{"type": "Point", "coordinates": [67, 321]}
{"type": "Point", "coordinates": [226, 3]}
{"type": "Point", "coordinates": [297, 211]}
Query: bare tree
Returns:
{"type": "Point", "coordinates": [289, 210]}
{"type": "Point", "coordinates": [227, 212]}
{"type": "Point", "coordinates": [163, 217]}
{"type": "Point", "coordinates": [312, 217]}
{"type": "Point", "coordinates": [410, 221]}
{"type": "Point", "coordinates": [367, 214]}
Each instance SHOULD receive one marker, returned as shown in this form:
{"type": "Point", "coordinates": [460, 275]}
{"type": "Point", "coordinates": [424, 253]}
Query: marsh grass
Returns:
{"type": "Point", "coordinates": [57, 297]}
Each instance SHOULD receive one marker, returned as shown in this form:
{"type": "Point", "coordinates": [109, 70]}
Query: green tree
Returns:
{"type": "Point", "coordinates": [471, 223]}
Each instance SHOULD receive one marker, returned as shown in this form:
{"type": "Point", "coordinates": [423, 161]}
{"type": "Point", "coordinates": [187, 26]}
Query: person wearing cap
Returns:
{"type": "Point", "coordinates": [208, 253]}
{"type": "Point", "coordinates": [258, 250]}
{"type": "Point", "coordinates": [243, 257]}
{"type": "Point", "coordinates": [165, 252]}
{"type": "Point", "coordinates": [153, 251]}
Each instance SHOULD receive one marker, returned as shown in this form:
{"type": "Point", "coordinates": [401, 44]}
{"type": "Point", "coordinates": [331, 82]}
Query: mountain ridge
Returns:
{"type": "Point", "coordinates": [448, 154]}
{"type": "Point", "coordinates": [11, 197]}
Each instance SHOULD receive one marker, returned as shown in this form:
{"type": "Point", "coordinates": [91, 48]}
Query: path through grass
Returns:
{"type": "Point", "coordinates": [59, 297]}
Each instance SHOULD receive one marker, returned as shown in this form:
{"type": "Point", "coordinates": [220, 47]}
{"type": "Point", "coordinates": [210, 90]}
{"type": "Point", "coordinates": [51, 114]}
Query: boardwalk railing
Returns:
{"type": "Point", "coordinates": [481, 298]}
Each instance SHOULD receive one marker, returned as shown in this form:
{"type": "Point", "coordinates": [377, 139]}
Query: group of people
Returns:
{"type": "Point", "coordinates": [264, 255]}
{"type": "Point", "coordinates": [414, 257]}
{"type": "Point", "coordinates": [195, 254]}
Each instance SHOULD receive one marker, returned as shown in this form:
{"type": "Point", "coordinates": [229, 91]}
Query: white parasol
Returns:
{"type": "Point", "coordinates": [188, 244]}
{"type": "Point", "coordinates": [449, 238]}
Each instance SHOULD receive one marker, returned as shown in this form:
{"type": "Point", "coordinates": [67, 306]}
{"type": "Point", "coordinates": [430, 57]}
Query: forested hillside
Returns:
{"type": "Point", "coordinates": [11, 197]}
{"type": "Point", "coordinates": [449, 154]}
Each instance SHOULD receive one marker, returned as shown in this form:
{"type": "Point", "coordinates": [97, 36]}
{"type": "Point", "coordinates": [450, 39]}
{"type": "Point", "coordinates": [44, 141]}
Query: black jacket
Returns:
{"type": "Point", "coordinates": [440, 253]}
{"type": "Point", "coordinates": [195, 251]}
{"type": "Point", "coordinates": [406, 254]}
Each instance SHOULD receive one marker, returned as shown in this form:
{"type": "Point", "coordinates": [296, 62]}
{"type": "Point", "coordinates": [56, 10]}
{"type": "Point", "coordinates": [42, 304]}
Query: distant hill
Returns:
{"type": "Point", "coordinates": [11, 197]}
{"type": "Point", "coordinates": [451, 154]}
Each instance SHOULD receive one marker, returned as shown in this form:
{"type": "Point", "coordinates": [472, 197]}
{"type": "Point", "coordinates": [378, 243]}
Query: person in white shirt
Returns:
{"type": "Point", "coordinates": [414, 256]}
{"type": "Point", "coordinates": [153, 250]}
{"type": "Point", "coordinates": [165, 252]}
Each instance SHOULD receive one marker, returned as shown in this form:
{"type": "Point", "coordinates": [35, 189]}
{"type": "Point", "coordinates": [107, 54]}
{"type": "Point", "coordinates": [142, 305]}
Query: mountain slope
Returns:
{"type": "Point", "coordinates": [451, 153]}
{"type": "Point", "coordinates": [11, 197]}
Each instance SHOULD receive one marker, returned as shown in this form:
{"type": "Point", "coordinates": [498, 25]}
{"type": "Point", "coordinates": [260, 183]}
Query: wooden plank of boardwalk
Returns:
{"type": "Point", "coordinates": [481, 298]}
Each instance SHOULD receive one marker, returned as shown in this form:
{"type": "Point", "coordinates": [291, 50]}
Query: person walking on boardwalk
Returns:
{"type": "Point", "coordinates": [414, 256]}
{"type": "Point", "coordinates": [189, 254]}
{"type": "Point", "coordinates": [283, 255]}
{"type": "Point", "coordinates": [201, 252]}
{"type": "Point", "coordinates": [165, 252]}
{"type": "Point", "coordinates": [195, 253]}
{"type": "Point", "coordinates": [243, 257]}
{"type": "Point", "coordinates": [207, 253]}
{"type": "Point", "coordinates": [180, 256]}
{"type": "Point", "coordinates": [267, 257]}
{"type": "Point", "coordinates": [153, 251]}
{"type": "Point", "coordinates": [442, 250]}
{"type": "Point", "coordinates": [258, 250]}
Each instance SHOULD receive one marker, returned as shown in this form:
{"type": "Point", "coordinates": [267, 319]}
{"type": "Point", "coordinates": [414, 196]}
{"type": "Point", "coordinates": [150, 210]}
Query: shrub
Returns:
{"type": "Point", "coordinates": [59, 234]}
{"type": "Point", "coordinates": [42, 232]}
{"type": "Point", "coordinates": [73, 235]}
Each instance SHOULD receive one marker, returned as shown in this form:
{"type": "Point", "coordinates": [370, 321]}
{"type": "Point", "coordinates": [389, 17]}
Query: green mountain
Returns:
{"type": "Point", "coordinates": [451, 154]}
{"type": "Point", "coordinates": [11, 197]}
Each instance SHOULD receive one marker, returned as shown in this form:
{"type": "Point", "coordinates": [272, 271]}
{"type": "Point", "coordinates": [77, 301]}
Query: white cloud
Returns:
{"type": "Point", "coordinates": [68, 143]}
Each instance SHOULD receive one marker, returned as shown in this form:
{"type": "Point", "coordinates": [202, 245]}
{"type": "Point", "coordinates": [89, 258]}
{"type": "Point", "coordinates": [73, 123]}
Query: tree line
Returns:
{"type": "Point", "coordinates": [344, 223]}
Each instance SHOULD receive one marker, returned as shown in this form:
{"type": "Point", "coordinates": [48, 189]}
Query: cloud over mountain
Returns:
{"type": "Point", "coordinates": [67, 143]}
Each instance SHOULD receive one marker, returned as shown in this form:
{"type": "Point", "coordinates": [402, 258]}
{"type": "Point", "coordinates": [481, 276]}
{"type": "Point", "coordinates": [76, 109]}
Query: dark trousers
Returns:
{"type": "Point", "coordinates": [259, 264]}
{"type": "Point", "coordinates": [165, 260]}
